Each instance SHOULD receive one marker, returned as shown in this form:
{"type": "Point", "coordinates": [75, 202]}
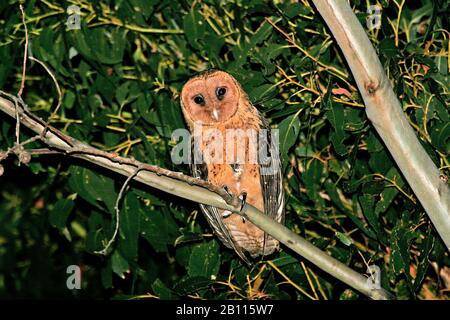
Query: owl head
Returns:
{"type": "Point", "coordinates": [210, 97]}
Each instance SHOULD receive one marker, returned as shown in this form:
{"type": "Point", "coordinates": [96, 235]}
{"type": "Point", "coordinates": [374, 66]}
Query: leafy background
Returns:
{"type": "Point", "coordinates": [121, 75]}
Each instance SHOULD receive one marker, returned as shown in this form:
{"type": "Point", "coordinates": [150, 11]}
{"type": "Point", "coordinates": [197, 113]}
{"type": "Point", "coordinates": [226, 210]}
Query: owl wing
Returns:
{"type": "Point", "coordinates": [271, 174]}
{"type": "Point", "coordinates": [212, 214]}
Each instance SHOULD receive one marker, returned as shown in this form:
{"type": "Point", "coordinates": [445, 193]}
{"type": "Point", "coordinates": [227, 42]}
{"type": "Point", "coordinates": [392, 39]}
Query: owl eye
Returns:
{"type": "Point", "coordinates": [199, 100]}
{"type": "Point", "coordinates": [220, 92]}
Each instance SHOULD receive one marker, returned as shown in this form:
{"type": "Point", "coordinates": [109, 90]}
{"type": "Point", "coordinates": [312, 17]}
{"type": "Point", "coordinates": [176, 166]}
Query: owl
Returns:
{"type": "Point", "coordinates": [228, 134]}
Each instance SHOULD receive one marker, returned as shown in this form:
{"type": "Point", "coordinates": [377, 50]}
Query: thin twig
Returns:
{"type": "Point", "coordinates": [43, 151]}
{"type": "Point", "coordinates": [341, 74]}
{"type": "Point", "coordinates": [17, 123]}
{"type": "Point", "coordinates": [288, 280]}
{"type": "Point", "coordinates": [117, 210]}
{"type": "Point", "coordinates": [22, 83]}
{"type": "Point", "coordinates": [57, 89]}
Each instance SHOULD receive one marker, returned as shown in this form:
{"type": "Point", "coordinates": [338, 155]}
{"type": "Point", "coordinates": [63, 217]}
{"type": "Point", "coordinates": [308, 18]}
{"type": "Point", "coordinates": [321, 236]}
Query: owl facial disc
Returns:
{"type": "Point", "coordinates": [211, 98]}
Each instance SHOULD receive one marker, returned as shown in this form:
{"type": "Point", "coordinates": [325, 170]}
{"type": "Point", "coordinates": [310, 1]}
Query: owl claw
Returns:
{"type": "Point", "coordinates": [243, 198]}
{"type": "Point", "coordinates": [227, 190]}
{"type": "Point", "coordinates": [226, 213]}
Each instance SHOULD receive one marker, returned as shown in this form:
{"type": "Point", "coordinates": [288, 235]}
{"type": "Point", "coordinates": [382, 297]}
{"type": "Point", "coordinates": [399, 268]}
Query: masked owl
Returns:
{"type": "Point", "coordinates": [233, 147]}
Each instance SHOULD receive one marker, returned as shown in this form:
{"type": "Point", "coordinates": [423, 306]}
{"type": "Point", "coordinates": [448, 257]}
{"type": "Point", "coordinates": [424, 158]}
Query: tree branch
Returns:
{"type": "Point", "coordinates": [385, 112]}
{"type": "Point", "coordinates": [195, 190]}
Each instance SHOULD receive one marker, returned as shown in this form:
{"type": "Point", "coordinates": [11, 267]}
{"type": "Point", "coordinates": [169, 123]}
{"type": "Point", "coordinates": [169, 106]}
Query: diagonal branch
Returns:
{"type": "Point", "coordinates": [153, 176]}
{"type": "Point", "coordinates": [385, 112]}
{"type": "Point", "coordinates": [195, 190]}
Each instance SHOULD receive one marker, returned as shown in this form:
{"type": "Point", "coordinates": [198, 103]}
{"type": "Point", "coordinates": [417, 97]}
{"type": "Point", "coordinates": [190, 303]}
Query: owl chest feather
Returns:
{"type": "Point", "coordinates": [239, 178]}
{"type": "Point", "coordinates": [231, 159]}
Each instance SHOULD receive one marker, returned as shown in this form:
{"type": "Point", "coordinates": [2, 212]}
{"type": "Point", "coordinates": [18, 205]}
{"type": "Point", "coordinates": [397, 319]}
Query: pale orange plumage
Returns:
{"type": "Point", "coordinates": [214, 100]}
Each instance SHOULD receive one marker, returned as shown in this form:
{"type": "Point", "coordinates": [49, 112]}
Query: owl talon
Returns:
{"type": "Point", "coordinates": [227, 190]}
{"type": "Point", "coordinates": [243, 198]}
{"type": "Point", "coordinates": [226, 213]}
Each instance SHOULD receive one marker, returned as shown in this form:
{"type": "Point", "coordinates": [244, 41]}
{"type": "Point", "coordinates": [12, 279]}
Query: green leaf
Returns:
{"type": "Point", "coordinates": [168, 116]}
{"type": "Point", "coordinates": [440, 137]}
{"type": "Point", "coordinates": [284, 259]}
{"type": "Point", "coordinates": [58, 216]}
{"type": "Point", "coordinates": [216, 43]}
{"type": "Point", "coordinates": [7, 64]}
{"type": "Point", "coordinates": [158, 228]}
{"type": "Point", "coordinates": [119, 265]}
{"type": "Point", "coordinates": [373, 187]}
{"type": "Point", "coordinates": [334, 195]}
{"type": "Point", "coordinates": [380, 162]}
{"type": "Point", "coordinates": [261, 34]}
{"type": "Point", "coordinates": [373, 142]}
{"type": "Point", "coordinates": [293, 9]}
{"type": "Point", "coordinates": [263, 92]}
{"type": "Point", "coordinates": [388, 195]}
{"type": "Point", "coordinates": [440, 106]}
{"type": "Point", "coordinates": [36, 167]}
{"type": "Point", "coordinates": [204, 260]}
{"type": "Point", "coordinates": [342, 254]}
{"type": "Point", "coordinates": [122, 92]}
{"type": "Point", "coordinates": [143, 104]}
{"type": "Point", "coordinates": [151, 155]}
{"type": "Point", "coordinates": [336, 117]}
{"type": "Point", "coordinates": [194, 27]}
{"type": "Point", "coordinates": [387, 48]}
{"type": "Point", "coordinates": [367, 202]}
{"type": "Point", "coordinates": [183, 254]}
{"type": "Point", "coordinates": [401, 238]}
{"type": "Point", "coordinates": [339, 167]}
{"type": "Point", "coordinates": [96, 232]}
{"type": "Point", "coordinates": [106, 275]}
{"type": "Point", "coordinates": [265, 56]}
{"type": "Point", "coordinates": [353, 120]}
{"type": "Point", "coordinates": [188, 236]}
{"type": "Point", "coordinates": [69, 99]}
{"type": "Point", "coordinates": [162, 290]}
{"type": "Point", "coordinates": [106, 87]}
{"type": "Point", "coordinates": [93, 187]}
{"type": "Point", "coordinates": [425, 250]}
{"type": "Point", "coordinates": [100, 45]}
{"type": "Point", "coordinates": [289, 130]}
{"type": "Point", "coordinates": [346, 240]}
{"type": "Point", "coordinates": [129, 227]}
{"type": "Point", "coordinates": [337, 139]}
{"type": "Point", "coordinates": [353, 215]}
{"type": "Point", "coordinates": [190, 285]}
{"type": "Point", "coordinates": [312, 178]}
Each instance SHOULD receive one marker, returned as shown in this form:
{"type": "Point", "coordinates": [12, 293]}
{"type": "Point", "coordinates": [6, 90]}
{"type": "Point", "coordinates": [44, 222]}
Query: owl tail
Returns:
{"type": "Point", "coordinates": [252, 239]}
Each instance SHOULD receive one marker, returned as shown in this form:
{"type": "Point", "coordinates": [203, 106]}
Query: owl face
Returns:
{"type": "Point", "coordinates": [211, 97]}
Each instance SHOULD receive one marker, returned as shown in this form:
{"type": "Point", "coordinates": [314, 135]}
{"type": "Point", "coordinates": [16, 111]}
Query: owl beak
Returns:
{"type": "Point", "coordinates": [215, 114]}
